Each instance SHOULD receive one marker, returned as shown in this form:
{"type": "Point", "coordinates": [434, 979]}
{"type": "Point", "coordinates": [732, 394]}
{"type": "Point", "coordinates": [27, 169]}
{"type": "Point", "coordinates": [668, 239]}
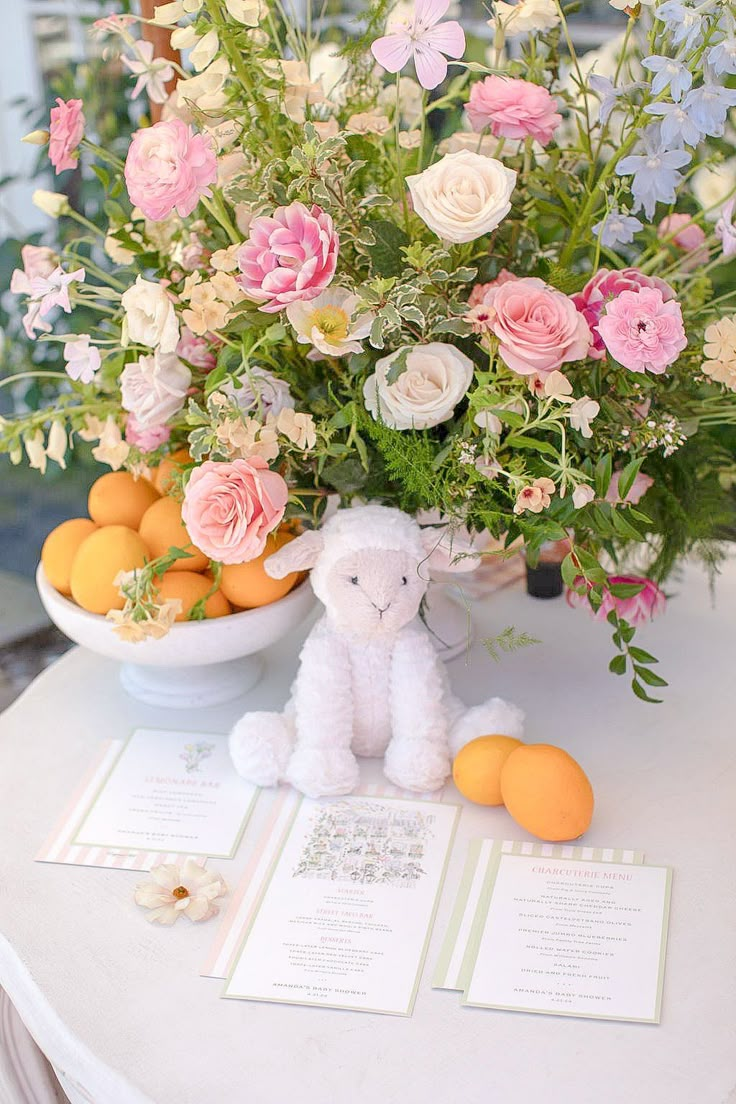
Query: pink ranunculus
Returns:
{"type": "Point", "coordinates": [643, 332]}
{"type": "Point", "coordinates": [169, 167]}
{"type": "Point", "coordinates": [686, 236]}
{"type": "Point", "coordinates": [230, 508]}
{"type": "Point", "coordinates": [605, 286]}
{"type": "Point", "coordinates": [146, 438]}
{"type": "Point", "coordinates": [66, 130]}
{"type": "Point", "coordinates": [637, 490]}
{"type": "Point", "coordinates": [479, 292]}
{"type": "Point", "coordinates": [197, 351]}
{"type": "Point", "coordinates": [290, 256]}
{"type": "Point", "coordinates": [637, 610]}
{"type": "Point", "coordinates": [514, 109]}
{"type": "Point", "coordinates": [538, 327]}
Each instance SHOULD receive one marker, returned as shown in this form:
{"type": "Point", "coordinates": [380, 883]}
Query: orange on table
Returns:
{"type": "Point", "coordinates": [60, 548]}
{"type": "Point", "coordinates": [117, 498]}
{"type": "Point", "coordinates": [104, 553]}
{"type": "Point", "coordinates": [190, 588]}
{"type": "Point", "coordinates": [162, 528]}
{"type": "Point", "coordinates": [476, 770]}
{"type": "Point", "coordinates": [547, 792]}
{"type": "Point", "coordinates": [248, 586]}
{"type": "Point", "coordinates": [169, 466]}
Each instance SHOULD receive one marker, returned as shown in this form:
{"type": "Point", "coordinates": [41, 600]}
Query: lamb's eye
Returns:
{"type": "Point", "coordinates": [354, 580]}
{"type": "Point", "coordinates": [404, 580]}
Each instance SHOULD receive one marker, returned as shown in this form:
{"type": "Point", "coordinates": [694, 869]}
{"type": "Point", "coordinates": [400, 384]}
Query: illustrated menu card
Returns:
{"type": "Point", "coordinates": [169, 792]}
{"type": "Point", "coordinates": [456, 956]}
{"type": "Point", "coordinates": [345, 918]}
{"type": "Point", "coordinates": [572, 938]}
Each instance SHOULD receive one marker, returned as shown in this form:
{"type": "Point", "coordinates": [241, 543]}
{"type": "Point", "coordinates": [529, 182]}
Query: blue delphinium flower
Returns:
{"type": "Point", "coordinates": [668, 72]}
{"type": "Point", "coordinates": [607, 93]}
{"type": "Point", "coordinates": [708, 107]}
{"type": "Point", "coordinates": [684, 23]}
{"type": "Point", "coordinates": [722, 58]}
{"type": "Point", "coordinates": [617, 228]}
{"type": "Point", "coordinates": [677, 128]}
{"type": "Point", "coordinates": [655, 172]}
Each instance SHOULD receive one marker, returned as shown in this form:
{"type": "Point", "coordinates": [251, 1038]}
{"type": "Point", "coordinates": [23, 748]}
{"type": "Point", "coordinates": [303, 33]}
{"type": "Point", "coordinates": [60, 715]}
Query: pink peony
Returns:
{"type": "Point", "coordinates": [687, 236]}
{"type": "Point", "coordinates": [606, 285]}
{"type": "Point", "coordinates": [66, 129]}
{"type": "Point", "coordinates": [642, 332]}
{"type": "Point", "coordinates": [197, 351]}
{"type": "Point", "coordinates": [289, 257]}
{"type": "Point", "coordinates": [538, 327]}
{"type": "Point", "coordinates": [514, 109]}
{"type": "Point", "coordinates": [637, 490]}
{"type": "Point", "coordinates": [169, 167]}
{"type": "Point", "coordinates": [642, 607]}
{"type": "Point", "coordinates": [230, 508]}
{"type": "Point", "coordinates": [146, 438]}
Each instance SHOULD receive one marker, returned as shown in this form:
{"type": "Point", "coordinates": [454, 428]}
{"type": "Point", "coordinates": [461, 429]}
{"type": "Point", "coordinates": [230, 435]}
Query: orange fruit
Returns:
{"type": "Point", "coordinates": [547, 792]}
{"type": "Point", "coordinates": [60, 548]}
{"type": "Point", "coordinates": [168, 468]}
{"type": "Point", "coordinates": [477, 768]}
{"type": "Point", "coordinates": [99, 558]}
{"type": "Point", "coordinates": [162, 528]}
{"type": "Point", "coordinates": [247, 585]}
{"type": "Point", "coordinates": [119, 499]}
{"type": "Point", "coordinates": [190, 587]}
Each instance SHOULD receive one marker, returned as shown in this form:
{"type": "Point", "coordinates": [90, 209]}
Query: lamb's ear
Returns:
{"type": "Point", "coordinates": [297, 555]}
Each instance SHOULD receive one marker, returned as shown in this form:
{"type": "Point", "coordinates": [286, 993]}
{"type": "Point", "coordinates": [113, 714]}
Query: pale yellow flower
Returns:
{"type": "Point", "coordinates": [410, 139]}
{"type": "Point", "coordinates": [227, 288]}
{"type": "Point", "coordinates": [57, 444]}
{"type": "Point", "coordinates": [248, 12]}
{"type": "Point", "coordinates": [557, 386]}
{"type": "Point", "coordinates": [720, 351]}
{"type": "Point", "coordinates": [36, 451]}
{"type": "Point", "coordinates": [112, 449]}
{"type": "Point", "coordinates": [241, 438]}
{"type": "Point", "coordinates": [92, 428]}
{"type": "Point", "coordinates": [368, 122]}
{"type": "Point", "coordinates": [206, 312]}
{"type": "Point", "coordinates": [205, 51]}
{"type": "Point", "coordinates": [298, 428]}
{"type": "Point", "coordinates": [225, 260]}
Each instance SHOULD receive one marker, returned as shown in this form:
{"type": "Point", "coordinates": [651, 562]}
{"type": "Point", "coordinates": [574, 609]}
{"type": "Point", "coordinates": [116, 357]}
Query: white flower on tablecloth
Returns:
{"type": "Point", "coordinates": [188, 890]}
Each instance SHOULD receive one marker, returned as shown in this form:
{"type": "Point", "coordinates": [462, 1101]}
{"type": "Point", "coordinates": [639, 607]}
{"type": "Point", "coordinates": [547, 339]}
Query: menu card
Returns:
{"type": "Point", "coordinates": [169, 791]}
{"type": "Point", "coordinates": [345, 918]}
{"type": "Point", "coordinates": [571, 938]}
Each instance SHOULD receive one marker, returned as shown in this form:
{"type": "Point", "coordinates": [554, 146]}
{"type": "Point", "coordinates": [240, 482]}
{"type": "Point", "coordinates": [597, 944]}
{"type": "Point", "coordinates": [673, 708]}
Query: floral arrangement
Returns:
{"type": "Point", "coordinates": [377, 268]}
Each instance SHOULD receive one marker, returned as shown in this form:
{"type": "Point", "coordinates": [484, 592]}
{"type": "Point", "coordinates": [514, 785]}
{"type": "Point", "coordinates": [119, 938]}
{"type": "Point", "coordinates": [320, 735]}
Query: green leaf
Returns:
{"type": "Point", "coordinates": [627, 477]}
{"type": "Point", "coordinates": [518, 440]}
{"type": "Point", "coordinates": [603, 473]}
{"type": "Point", "coordinates": [570, 571]}
{"type": "Point", "coordinates": [642, 694]}
{"type": "Point", "coordinates": [625, 590]}
{"type": "Point", "coordinates": [623, 527]}
{"type": "Point", "coordinates": [651, 678]}
{"type": "Point", "coordinates": [641, 656]}
{"type": "Point", "coordinates": [386, 256]}
{"type": "Point", "coordinates": [617, 666]}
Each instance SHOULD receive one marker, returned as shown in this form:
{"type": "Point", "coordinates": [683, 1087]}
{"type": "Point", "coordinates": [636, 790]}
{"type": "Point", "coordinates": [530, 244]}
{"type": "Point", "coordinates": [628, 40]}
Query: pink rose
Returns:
{"type": "Point", "coordinates": [538, 327]}
{"type": "Point", "coordinates": [640, 608]}
{"type": "Point", "coordinates": [687, 236]}
{"type": "Point", "coordinates": [230, 508]}
{"type": "Point", "coordinates": [66, 130]}
{"type": "Point", "coordinates": [196, 350]}
{"type": "Point", "coordinates": [169, 167]}
{"type": "Point", "coordinates": [514, 109]}
{"type": "Point", "coordinates": [637, 490]}
{"type": "Point", "coordinates": [479, 292]}
{"type": "Point", "coordinates": [642, 332]}
{"type": "Point", "coordinates": [146, 438]}
{"type": "Point", "coordinates": [606, 285]}
{"type": "Point", "coordinates": [289, 257]}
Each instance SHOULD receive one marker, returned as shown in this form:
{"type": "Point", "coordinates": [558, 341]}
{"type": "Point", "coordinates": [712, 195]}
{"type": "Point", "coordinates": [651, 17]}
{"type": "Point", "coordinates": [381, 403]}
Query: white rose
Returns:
{"type": "Point", "coordinates": [525, 17]}
{"type": "Point", "coordinates": [150, 317]}
{"type": "Point", "coordinates": [463, 196]}
{"type": "Point", "coordinates": [425, 392]}
{"type": "Point", "coordinates": [154, 388]}
{"type": "Point", "coordinates": [712, 184]}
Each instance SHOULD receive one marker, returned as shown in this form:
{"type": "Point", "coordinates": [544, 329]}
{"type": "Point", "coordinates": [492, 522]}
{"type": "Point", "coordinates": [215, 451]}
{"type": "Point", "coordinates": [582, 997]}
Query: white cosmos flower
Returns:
{"type": "Point", "coordinates": [330, 322]}
{"type": "Point", "coordinates": [423, 390]}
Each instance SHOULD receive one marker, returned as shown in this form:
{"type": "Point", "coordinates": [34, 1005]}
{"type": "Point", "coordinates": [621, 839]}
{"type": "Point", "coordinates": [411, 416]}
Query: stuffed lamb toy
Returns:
{"type": "Point", "coordinates": [370, 681]}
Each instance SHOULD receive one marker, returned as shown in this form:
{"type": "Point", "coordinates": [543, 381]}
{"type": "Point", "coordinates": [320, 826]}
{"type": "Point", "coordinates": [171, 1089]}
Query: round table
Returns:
{"type": "Point", "coordinates": [118, 1005]}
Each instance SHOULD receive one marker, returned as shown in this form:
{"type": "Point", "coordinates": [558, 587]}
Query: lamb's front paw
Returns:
{"type": "Point", "coordinates": [260, 746]}
{"type": "Point", "coordinates": [416, 766]}
{"type": "Point", "coordinates": [323, 772]}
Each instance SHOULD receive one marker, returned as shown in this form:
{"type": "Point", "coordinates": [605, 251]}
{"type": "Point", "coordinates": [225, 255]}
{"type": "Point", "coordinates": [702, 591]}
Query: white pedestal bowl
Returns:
{"type": "Point", "coordinates": [198, 663]}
